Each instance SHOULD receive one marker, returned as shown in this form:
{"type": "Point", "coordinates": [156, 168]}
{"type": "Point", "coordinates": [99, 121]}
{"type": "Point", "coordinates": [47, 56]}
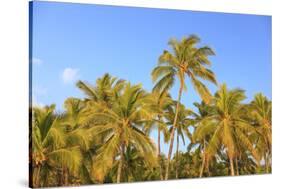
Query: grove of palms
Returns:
{"type": "Point", "coordinates": [106, 137]}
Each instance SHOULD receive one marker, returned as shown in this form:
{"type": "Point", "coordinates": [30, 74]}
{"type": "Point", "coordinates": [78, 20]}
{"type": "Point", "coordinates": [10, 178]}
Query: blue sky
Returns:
{"type": "Point", "coordinates": [82, 41]}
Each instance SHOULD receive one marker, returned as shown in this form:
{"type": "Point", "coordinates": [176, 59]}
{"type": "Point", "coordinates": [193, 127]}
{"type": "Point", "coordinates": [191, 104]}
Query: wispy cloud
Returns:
{"type": "Point", "coordinates": [69, 75]}
{"type": "Point", "coordinates": [36, 61]}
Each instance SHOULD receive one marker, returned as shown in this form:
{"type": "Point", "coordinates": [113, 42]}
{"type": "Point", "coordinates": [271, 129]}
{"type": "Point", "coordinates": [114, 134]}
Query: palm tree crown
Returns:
{"type": "Point", "coordinates": [229, 130]}
{"type": "Point", "coordinates": [120, 127]}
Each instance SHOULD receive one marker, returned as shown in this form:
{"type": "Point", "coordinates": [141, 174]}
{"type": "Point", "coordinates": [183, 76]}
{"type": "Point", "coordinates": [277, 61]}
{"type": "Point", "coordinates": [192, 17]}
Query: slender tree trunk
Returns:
{"type": "Point", "coordinates": [237, 166]}
{"type": "Point", "coordinates": [46, 180]}
{"type": "Point", "coordinates": [177, 155]}
{"type": "Point", "coordinates": [120, 166]}
{"type": "Point", "coordinates": [37, 177]}
{"type": "Point", "coordinates": [173, 134]}
{"type": "Point", "coordinates": [202, 167]}
{"type": "Point", "coordinates": [203, 161]}
{"type": "Point", "coordinates": [208, 168]}
{"type": "Point", "coordinates": [169, 154]}
{"type": "Point", "coordinates": [60, 177]}
{"type": "Point", "coordinates": [269, 162]}
{"type": "Point", "coordinates": [266, 163]}
{"type": "Point", "coordinates": [65, 176]}
{"type": "Point", "coordinates": [231, 166]}
{"type": "Point", "coordinates": [159, 154]}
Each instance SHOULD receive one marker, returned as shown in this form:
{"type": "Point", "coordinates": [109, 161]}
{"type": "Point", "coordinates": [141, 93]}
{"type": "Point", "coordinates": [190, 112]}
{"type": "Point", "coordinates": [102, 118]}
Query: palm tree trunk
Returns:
{"type": "Point", "coordinates": [269, 162]}
{"type": "Point", "coordinates": [237, 167]}
{"type": "Point", "coordinates": [231, 166]}
{"type": "Point", "coordinates": [60, 177]}
{"type": "Point", "coordinates": [65, 176]}
{"type": "Point", "coordinates": [120, 166]}
{"type": "Point", "coordinates": [177, 155]}
{"type": "Point", "coordinates": [208, 168]}
{"type": "Point", "coordinates": [173, 134]}
{"type": "Point", "coordinates": [37, 177]}
{"type": "Point", "coordinates": [203, 162]}
{"type": "Point", "coordinates": [159, 154]}
{"type": "Point", "coordinates": [266, 163]}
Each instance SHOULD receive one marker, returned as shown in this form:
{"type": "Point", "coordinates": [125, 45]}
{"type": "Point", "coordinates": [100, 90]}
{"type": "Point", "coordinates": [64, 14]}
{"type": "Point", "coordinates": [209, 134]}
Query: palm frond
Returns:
{"type": "Point", "coordinates": [201, 89]}
{"type": "Point", "coordinates": [88, 89]}
{"type": "Point", "coordinates": [70, 158]}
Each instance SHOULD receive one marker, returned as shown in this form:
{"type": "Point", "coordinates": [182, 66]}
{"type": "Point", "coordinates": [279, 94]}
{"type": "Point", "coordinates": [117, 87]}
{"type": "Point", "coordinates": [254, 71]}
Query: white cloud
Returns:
{"type": "Point", "coordinates": [69, 75]}
{"type": "Point", "coordinates": [36, 61]}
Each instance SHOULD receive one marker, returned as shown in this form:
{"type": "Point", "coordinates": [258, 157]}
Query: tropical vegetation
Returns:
{"type": "Point", "coordinates": [105, 137]}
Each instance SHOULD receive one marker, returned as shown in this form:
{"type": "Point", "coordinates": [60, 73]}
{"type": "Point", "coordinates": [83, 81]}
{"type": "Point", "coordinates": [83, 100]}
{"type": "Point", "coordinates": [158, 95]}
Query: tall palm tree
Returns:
{"type": "Point", "coordinates": [50, 153]}
{"type": "Point", "coordinates": [261, 112]}
{"type": "Point", "coordinates": [76, 122]}
{"type": "Point", "coordinates": [184, 60]}
{"type": "Point", "coordinates": [181, 128]}
{"type": "Point", "coordinates": [228, 130]}
{"type": "Point", "coordinates": [158, 103]}
{"type": "Point", "coordinates": [120, 126]}
{"type": "Point", "coordinates": [204, 111]}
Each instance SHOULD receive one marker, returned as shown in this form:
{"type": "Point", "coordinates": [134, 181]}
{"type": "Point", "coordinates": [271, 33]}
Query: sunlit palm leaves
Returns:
{"type": "Point", "coordinates": [158, 103]}
{"type": "Point", "coordinates": [184, 60]}
{"type": "Point", "coordinates": [228, 130]}
{"type": "Point", "coordinates": [106, 136]}
{"type": "Point", "coordinates": [260, 112]}
{"type": "Point", "coordinates": [104, 90]}
{"type": "Point", "coordinates": [181, 127]}
{"type": "Point", "coordinates": [202, 131]}
{"type": "Point", "coordinates": [119, 126]}
{"type": "Point", "coordinates": [49, 149]}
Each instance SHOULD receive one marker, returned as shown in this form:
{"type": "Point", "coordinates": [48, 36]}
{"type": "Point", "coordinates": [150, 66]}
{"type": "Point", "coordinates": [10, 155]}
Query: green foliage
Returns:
{"type": "Point", "coordinates": [184, 59]}
{"type": "Point", "coordinates": [106, 137]}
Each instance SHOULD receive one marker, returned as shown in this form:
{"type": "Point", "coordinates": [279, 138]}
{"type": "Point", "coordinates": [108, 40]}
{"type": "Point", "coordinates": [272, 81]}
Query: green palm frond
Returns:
{"type": "Point", "coordinates": [44, 119]}
{"type": "Point", "coordinates": [161, 71]}
{"type": "Point", "coordinates": [165, 82]}
{"type": "Point", "coordinates": [79, 137]}
{"type": "Point", "coordinates": [88, 89]}
{"type": "Point", "coordinates": [104, 160]}
{"type": "Point", "coordinates": [204, 73]}
{"type": "Point", "coordinates": [214, 143]}
{"type": "Point", "coordinates": [144, 145]}
{"type": "Point", "coordinates": [204, 128]}
{"type": "Point", "coordinates": [248, 144]}
{"type": "Point", "coordinates": [201, 89]}
{"type": "Point", "coordinates": [201, 55]}
{"type": "Point", "coordinates": [55, 138]}
{"type": "Point", "coordinates": [70, 158]}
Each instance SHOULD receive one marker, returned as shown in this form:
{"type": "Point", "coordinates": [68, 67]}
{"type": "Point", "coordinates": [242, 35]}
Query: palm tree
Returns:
{"type": "Point", "coordinates": [76, 122]}
{"type": "Point", "coordinates": [50, 154]}
{"type": "Point", "coordinates": [260, 112]}
{"type": "Point", "coordinates": [181, 128]}
{"type": "Point", "coordinates": [120, 127]}
{"type": "Point", "coordinates": [103, 93]}
{"type": "Point", "coordinates": [158, 103]}
{"type": "Point", "coordinates": [135, 167]}
{"type": "Point", "coordinates": [228, 130]}
{"type": "Point", "coordinates": [204, 111]}
{"type": "Point", "coordinates": [185, 59]}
